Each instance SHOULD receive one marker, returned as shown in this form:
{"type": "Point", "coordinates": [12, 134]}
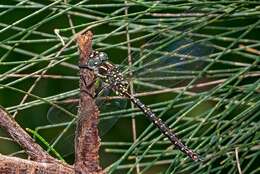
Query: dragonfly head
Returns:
{"type": "Point", "coordinates": [97, 59]}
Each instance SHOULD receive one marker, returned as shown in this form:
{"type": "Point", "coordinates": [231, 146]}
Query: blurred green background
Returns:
{"type": "Point", "coordinates": [196, 64]}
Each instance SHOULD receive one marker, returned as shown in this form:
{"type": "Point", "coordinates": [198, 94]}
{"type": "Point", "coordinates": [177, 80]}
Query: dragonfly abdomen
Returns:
{"type": "Point", "coordinates": [163, 128]}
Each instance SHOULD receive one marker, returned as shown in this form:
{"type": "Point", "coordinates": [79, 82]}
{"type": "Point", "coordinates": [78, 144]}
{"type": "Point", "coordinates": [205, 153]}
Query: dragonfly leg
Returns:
{"type": "Point", "coordinates": [102, 89]}
{"type": "Point", "coordinates": [87, 86]}
{"type": "Point", "coordinates": [84, 66]}
{"type": "Point", "coordinates": [85, 83]}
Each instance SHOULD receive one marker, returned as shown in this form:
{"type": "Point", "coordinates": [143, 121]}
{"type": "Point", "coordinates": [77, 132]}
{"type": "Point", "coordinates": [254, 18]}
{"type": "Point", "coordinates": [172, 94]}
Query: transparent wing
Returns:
{"type": "Point", "coordinates": [56, 116]}
{"type": "Point", "coordinates": [107, 120]}
{"type": "Point", "coordinates": [59, 120]}
{"type": "Point", "coordinates": [173, 64]}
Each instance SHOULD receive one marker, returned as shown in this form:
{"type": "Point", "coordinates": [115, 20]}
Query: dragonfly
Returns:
{"type": "Point", "coordinates": [161, 72]}
{"type": "Point", "coordinates": [101, 66]}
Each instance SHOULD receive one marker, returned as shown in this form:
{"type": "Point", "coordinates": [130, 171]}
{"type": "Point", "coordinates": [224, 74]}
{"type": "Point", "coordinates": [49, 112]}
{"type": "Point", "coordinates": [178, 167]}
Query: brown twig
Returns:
{"type": "Point", "coordinates": [34, 150]}
{"type": "Point", "coordinates": [87, 141]}
{"type": "Point", "coordinates": [45, 163]}
{"type": "Point", "coordinates": [17, 165]}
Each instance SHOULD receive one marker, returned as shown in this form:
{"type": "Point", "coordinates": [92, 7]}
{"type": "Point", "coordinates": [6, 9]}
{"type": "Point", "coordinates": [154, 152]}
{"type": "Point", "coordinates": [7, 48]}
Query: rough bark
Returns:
{"type": "Point", "coordinates": [14, 165]}
{"type": "Point", "coordinates": [87, 141]}
{"type": "Point", "coordinates": [43, 162]}
{"type": "Point", "coordinates": [35, 151]}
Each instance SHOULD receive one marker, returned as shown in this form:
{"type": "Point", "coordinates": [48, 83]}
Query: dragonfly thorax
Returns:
{"type": "Point", "coordinates": [115, 78]}
{"type": "Point", "coordinates": [98, 62]}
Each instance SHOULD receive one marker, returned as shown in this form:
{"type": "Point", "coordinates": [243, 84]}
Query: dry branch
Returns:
{"type": "Point", "coordinates": [45, 163]}
{"type": "Point", "coordinates": [14, 165]}
{"type": "Point", "coordinates": [87, 141]}
{"type": "Point", "coordinates": [35, 151]}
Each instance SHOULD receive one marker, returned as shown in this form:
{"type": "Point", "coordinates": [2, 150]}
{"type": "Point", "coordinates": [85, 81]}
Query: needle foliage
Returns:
{"type": "Point", "coordinates": [194, 63]}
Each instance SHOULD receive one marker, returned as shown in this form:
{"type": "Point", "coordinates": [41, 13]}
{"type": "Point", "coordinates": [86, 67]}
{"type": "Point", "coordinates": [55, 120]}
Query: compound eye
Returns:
{"type": "Point", "coordinates": [94, 63]}
{"type": "Point", "coordinates": [103, 56]}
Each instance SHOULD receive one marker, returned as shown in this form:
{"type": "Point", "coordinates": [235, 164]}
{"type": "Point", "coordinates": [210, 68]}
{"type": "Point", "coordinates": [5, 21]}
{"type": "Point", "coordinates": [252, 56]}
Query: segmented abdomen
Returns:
{"type": "Point", "coordinates": [163, 128]}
